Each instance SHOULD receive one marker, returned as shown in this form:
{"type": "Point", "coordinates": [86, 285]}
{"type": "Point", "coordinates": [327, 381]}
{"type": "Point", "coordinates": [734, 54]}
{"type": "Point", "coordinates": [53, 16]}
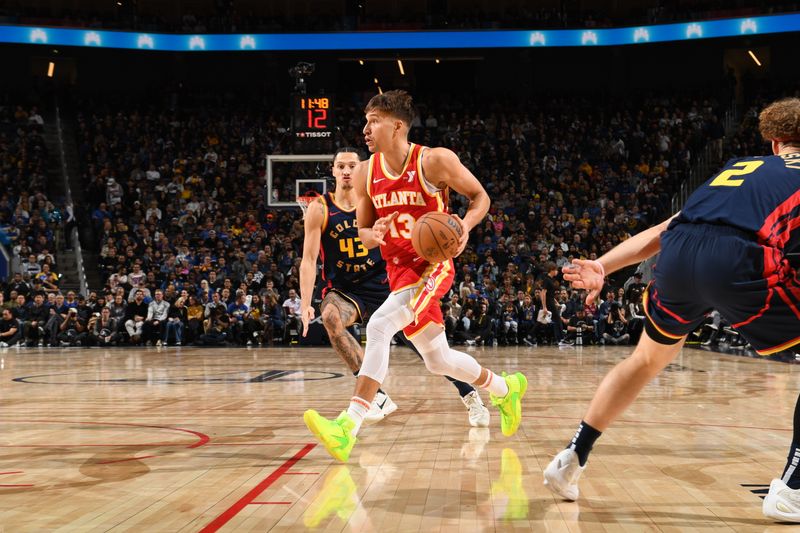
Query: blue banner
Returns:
{"type": "Point", "coordinates": [401, 40]}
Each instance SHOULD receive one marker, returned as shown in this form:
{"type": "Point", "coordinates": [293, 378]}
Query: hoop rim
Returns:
{"type": "Point", "coordinates": [303, 201]}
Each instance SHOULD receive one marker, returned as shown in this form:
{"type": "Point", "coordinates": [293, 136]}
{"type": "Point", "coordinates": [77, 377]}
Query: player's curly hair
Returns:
{"type": "Point", "coordinates": [780, 121]}
{"type": "Point", "coordinates": [397, 103]}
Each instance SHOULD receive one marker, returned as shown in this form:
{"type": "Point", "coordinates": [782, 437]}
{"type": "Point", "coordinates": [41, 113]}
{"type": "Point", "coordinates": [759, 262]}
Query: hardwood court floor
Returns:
{"type": "Point", "coordinates": [204, 440]}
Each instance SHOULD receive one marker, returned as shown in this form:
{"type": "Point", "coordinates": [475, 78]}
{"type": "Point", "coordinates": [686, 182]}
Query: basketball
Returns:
{"type": "Point", "coordinates": [435, 236]}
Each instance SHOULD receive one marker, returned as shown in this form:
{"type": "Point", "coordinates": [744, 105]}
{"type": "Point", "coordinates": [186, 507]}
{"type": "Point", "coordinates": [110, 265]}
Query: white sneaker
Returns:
{"type": "Point", "coordinates": [562, 474]}
{"type": "Point", "coordinates": [382, 406]}
{"type": "Point", "coordinates": [782, 503]}
{"type": "Point", "coordinates": [470, 342]}
{"type": "Point", "coordinates": [3, 344]}
{"type": "Point", "coordinates": [158, 342]}
{"type": "Point", "coordinates": [478, 413]}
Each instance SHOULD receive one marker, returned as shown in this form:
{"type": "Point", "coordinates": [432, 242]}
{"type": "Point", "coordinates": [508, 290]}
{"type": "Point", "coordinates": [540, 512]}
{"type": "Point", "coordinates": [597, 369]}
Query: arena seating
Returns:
{"type": "Point", "coordinates": [180, 194]}
{"type": "Point", "coordinates": [31, 217]}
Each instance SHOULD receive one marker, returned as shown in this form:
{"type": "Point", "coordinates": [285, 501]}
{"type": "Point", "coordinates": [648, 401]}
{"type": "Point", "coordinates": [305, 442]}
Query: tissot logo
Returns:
{"type": "Point", "coordinates": [313, 134]}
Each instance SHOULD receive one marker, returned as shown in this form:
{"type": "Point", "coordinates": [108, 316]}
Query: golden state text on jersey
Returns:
{"type": "Point", "coordinates": [345, 259]}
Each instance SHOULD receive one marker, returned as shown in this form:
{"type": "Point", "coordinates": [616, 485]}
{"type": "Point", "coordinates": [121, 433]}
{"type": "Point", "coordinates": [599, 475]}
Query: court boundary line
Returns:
{"type": "Point", "coordinates": [256, 491]}
{"type": "Point", "coordinates": [202, 438]}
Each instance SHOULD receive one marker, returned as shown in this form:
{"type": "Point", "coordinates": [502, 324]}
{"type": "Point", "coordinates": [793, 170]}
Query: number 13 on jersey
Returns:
{"type": "Point", "coordinates": [402, 226]}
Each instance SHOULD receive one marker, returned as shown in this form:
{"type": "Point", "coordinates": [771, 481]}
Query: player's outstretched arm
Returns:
{"type": "Point", "coordinates": [443, 168]}
{"type": "Point", "coordinates": [308, 265]}
{"type": "Point", "coordinates": [370, 228]}
{"type": "Point", "coordinates": [590, 275]}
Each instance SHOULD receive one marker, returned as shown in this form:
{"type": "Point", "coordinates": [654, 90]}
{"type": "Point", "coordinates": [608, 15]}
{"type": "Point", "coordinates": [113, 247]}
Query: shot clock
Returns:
{"type": "Point", "coordinates": [313, 116]}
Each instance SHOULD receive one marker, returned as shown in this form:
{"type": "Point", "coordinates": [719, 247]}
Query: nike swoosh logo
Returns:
{"type": "Point", "coordinates": [416, 259]}
{"type": "Point", "coordinates": [334, 213]}
{"type": "Point", "coordinates": [376, 181]}
{"type": "Point", "coordinates": [380, 405]}
{"type": "Point", "coordinates": [341, 440]}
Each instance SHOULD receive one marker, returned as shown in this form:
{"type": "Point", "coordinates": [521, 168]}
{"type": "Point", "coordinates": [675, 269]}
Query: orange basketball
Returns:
{"type": "Point", "coordinates": [435, 236]}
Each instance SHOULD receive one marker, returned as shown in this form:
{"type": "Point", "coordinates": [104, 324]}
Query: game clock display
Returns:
{"type": "Point", "coordinates": [313, 116]}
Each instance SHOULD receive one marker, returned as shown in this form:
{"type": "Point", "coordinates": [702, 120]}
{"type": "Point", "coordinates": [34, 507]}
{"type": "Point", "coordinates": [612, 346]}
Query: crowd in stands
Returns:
{"type": "Point", "coordinates": [189, 252]}
{"type": "Point", "coordinates": [224, 16]}
{"type": "Point", "coordinates": [31, 220]}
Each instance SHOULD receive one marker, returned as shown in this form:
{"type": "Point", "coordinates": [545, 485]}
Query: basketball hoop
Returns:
{"type": "Point", "coordinates": [305, 201]}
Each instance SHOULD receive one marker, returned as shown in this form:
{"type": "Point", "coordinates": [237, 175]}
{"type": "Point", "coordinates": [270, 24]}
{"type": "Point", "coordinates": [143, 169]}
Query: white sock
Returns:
{"type": "Point", "coordinates": [359, 407]}
{"type": "Point", "coordinates": [494, 384]}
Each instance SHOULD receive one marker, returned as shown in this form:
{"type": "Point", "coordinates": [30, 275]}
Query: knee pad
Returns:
{"type": "Point", "coordinates": [432, 346]}
{"type": "Point", "coordinates": [390, 318]}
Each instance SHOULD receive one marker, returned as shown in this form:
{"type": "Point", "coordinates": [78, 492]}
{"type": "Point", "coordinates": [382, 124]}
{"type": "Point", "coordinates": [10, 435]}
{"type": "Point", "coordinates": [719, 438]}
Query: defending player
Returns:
{"type": "Point", "coordinates": [401, 182]}
{"type": "Point", "coordinates": [356, 282]}
{"type": "Point", "coordinates": [726, 250]}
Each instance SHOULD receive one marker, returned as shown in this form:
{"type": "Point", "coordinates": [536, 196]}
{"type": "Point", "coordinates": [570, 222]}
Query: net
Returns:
{"type": "Point", "coordinates": [305, 201]}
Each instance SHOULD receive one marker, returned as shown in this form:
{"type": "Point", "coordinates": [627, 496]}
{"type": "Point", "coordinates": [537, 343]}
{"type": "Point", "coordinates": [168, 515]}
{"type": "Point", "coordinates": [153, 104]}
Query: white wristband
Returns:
{"type": "Point", "coordinates": [602, 269]}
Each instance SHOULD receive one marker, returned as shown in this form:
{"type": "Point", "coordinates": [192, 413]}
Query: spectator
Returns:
{"type": "Point", "coordinates": [217, 333]}
{"type": "Point", "coordinates": [10, 331]}
{"type": "Point", "coordinates": [31, 266]}
{"type": "Point", "coordinates": [72, 331]}
{"type": "Point", "coordinates": [155, 324]}
{"type": "Point", "coordinates": [548, 299]}
{"type": "Point", "coordinates": [291, 307]}
{"type": "Point", "coordinates": [194, 320]}
{"type": "Point", "coordinates": [18, 285]}
{"type": "Point", "coordinates": [580, 329]}
{"type": "Point", "coordinates": [58, 312]}
{"type": "Point", "coordinates": [104, 329]}
{"type": "Point", "coordinates": [137, 312]}
{"type": "Point", "coordinates": [38, 314]}
{"type": "Point", "coordinates": [238, 311]}
{"type": "Point", "coordinates": [636, 316]}
{"type": "Point", "coordinates": [273, 319]}
{"type": "Point", "coordinates": [113, 192]}
{"type": "Point", "coordinates": [616, 331]}
{"type": "Point", "coordinates": [510, 325]}
{"type": "Point", "coordinates": [48, 279]}
{"type": "Point", "coordinates": [177, 317]}
{"type": "Point", "coordinates": [119, 309]}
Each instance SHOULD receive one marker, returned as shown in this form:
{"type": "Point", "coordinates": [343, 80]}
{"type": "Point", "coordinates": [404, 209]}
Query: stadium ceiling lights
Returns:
{"type": "Point", "coordinates": [401, 40]}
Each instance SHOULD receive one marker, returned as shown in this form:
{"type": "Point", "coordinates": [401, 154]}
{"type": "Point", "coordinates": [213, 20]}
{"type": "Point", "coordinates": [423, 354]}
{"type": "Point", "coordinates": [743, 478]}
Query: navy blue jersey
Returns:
{"type": "Point", "coordinates": [758, 195]}
{"type": "Point", "coordinates": [346, 262]}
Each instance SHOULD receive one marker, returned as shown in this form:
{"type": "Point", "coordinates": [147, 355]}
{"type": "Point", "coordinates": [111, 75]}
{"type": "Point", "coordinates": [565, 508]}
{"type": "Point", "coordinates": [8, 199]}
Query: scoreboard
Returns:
{"type": "Point", "coordinates": [313, 117]}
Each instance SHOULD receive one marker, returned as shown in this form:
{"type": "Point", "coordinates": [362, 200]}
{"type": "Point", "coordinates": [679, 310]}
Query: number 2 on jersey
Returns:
{"type": "Point", "coordinates": [741, 168]}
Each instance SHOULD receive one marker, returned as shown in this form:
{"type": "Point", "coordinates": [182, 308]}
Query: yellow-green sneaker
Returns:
{"type": "Point", "coordinates": [338, 495]}
{"type": "Point", "coordinates": [335, 435]}
{"type": "Point", "coordinates": [510, 405]}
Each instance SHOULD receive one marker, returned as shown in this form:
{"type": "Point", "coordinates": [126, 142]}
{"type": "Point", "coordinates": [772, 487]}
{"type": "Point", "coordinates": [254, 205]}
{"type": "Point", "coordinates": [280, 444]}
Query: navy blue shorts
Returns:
{"type": "Point", "coordinates": [366, 296]}
{"type": "Point", "coordinates": [703, 267]}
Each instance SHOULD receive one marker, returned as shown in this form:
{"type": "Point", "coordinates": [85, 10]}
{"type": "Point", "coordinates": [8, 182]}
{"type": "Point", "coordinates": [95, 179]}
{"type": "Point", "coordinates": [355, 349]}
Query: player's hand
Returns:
{"type": "Point", "coordinates": [462, 241]}
{"type": "Point", "coordinates": [306, 315]}
{"type": "Point", "coordinates": [381, 226]}
{"type": "Point", "coordinates": [585, 274]}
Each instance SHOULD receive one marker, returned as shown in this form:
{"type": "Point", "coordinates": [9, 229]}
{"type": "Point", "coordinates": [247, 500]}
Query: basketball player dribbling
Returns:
{"type": "Point", "coordinates": [728, 249]}
{"type": "Point", "coordinates": [401, 182]}
{"type": "Point", "coordinates": [356, 282]}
